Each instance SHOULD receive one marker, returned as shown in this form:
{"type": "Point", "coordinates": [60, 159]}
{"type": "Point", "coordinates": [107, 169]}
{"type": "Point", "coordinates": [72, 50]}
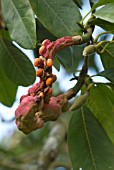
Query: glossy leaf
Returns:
{"type": "Point", "coordinates": [103, 24]}
{"type": "Point", "coordinates": [107, 57]}
{"type": "Point", "coordinates": [89, 146]}
{"type": "Point", "coordinates": [108, 74]}
{"type": "Point", "coordinates": [101, 103]}
{"type": "Point", "coordinates": [59, 17]}
{"type": "Point", "coordinates": [65, 57]}
{"type": "Point", "coordinates": [7, 89]}
{"type": "Point", "coordinates": [20, 22]}
{"type": "Point", "coordinates": [78, 3]}
{"type": "Point", "coordinates": [56, 63]}
{"type": "Point", "coordinates": [43, 33]}
{"type": "Point", "coordinates": [102, 2]}
{"type": "Point", "coordinates": [15, 64]}
{"type": "Point", "coordinates": [106, 13]}
{"type": "Point", "coordinates": [70, 58]}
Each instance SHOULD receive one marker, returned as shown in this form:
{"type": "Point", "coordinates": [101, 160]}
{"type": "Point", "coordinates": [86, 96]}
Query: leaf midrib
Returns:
{"type": "Point", "coordinates": [4, 45]}
{"type": "Point", "coordinates": [21, 18]}
{"type": "Point", "coordinates": [57, 16]}
{"type": "Point", "coordinates": [88, 141]}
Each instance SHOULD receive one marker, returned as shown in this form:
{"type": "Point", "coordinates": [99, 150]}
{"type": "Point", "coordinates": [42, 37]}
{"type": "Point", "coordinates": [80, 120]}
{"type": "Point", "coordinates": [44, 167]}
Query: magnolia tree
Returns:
{"type": "Point", "coordinates": [81, 136]}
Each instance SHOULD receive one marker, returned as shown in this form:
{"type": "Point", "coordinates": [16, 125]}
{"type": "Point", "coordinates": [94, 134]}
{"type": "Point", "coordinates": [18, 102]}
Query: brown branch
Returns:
{"type": "Point", "coordinates": [49, 151]}
{"type": "Point", "coordinates": [81, 80]}
{"type": "Point", "coordinates": [2, 23]}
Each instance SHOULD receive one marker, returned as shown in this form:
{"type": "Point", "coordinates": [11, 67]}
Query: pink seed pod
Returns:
{"type": "Point", "coordinates": [51, 111]}
{"type": "Point", "coordinates": [46, 55]}
{"type": "Point", "coordinates": [25, 114]}
{"type": "Point", "coordinates": [46, 42]}
{"type": "Point", "coordinates": [50, 46]}
{"type": "Point", "coordinates": [34, 89]}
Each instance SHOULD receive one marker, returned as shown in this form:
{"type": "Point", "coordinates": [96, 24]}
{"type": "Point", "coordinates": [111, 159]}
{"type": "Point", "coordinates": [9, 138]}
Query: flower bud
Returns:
{"type": "Point", "coordinates": [80, 101]}
{"type": "Point", "coordinates": [89, 50]}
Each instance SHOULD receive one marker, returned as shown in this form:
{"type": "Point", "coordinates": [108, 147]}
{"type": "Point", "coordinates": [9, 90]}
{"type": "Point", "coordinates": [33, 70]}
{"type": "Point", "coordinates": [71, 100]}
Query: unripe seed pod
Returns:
{"type": "Point", "coordinates": [80, 101]}
{"type": "Point", "coordinates": [39, 72]}
{"type": "Point", "coordinates": [42, 50]}
{"type": "Point", "coordinates": [36, 62]}
{"type": "Point", "coordinates": [49, 81]}
{"type": "Point", "coordinates": [89, 50]}
{"type": "Point", "coordinates": [49, 62]}
{"type": "Point", "coordinates": [42, 94]}
{"type": "Point", "coordinates": [49, 91]}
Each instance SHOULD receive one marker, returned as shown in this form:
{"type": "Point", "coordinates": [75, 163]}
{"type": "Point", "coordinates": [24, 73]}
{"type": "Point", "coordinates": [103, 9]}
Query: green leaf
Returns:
{"type": "Point", "coordinates": [78, 3]}
{"type": "Point", "coordinates": [65, 57]}
{"type": "Point", "coordinates": [56, 63]}
{"type": "Point", "coordinates": [89, 146]}
{"type": "Point", "coordinates": [7, 89]}
{"type": "Point", "coordinates": [106, 13]}
{"type": "Point", "coordinates": [101, 103]}
{"type": "Point", "coordinates": [108, 74]}
{"type": "Point", "coordinates": [103, 24]}
{"type": "Point", "coordinates": [102, 2]}
{"type": "Point", "coordinates": [60, 17]}
{"type": "Point", "coordinates": [15, 64]}
{"type": "Point", "coordinates": [70, 58]}
{"type": "Point", "coordinates": [107, 57]}
{"type": "Point", "coordinates": [43, 33]}
{"type": "Point", "coordinates": [20, 21]}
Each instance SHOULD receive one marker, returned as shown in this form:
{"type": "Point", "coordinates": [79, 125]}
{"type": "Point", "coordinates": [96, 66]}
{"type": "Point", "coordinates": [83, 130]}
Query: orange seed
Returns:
{"type": "Point", "coordinates": [49, 62]}
{"type": "Point", "coordinates": [49, 91]}
{"type": "Point", "coordinates": [49, 81]}
{"type": "Point", "coordinates": [39, 72]}
{"type": "Point", "coordinates": [42, 94]}
{"type": "Point", "coordinates": [36, 62]}
{"type": "Point", "coordinates": [42, 49]}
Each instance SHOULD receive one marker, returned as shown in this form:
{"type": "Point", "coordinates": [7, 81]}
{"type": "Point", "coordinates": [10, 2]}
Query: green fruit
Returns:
{"type": "Point", "coordinates": [80, 101]}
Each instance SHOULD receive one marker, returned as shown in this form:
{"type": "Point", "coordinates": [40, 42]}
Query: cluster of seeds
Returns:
{"type": "Point", "coordinates": [44, 71]}
{"type": "Point", "coordinates": [45, 61]}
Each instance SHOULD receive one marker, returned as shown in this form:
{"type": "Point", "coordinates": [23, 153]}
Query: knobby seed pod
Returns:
{"type": "Point", "coordinates": [80, 101]}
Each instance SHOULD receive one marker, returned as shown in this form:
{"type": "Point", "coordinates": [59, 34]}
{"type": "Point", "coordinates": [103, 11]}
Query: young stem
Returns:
{"type": "Point", "coordinates": [97, 37]}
